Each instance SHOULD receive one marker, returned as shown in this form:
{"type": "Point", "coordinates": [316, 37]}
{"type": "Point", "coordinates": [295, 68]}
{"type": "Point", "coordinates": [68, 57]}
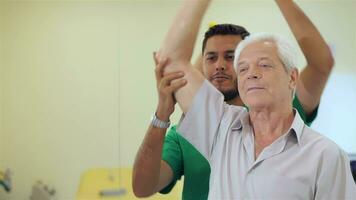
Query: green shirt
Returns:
{"type": "Point", "coordinates": [185, 160]}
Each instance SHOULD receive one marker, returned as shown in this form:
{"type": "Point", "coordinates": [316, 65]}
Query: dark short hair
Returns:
{"type": "Point", "coordinates": [224, 29]}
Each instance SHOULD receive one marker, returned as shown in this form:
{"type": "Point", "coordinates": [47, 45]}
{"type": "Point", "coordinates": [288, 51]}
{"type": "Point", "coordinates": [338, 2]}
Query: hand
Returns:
{"type": "Point", "coordinates": [167, 85]}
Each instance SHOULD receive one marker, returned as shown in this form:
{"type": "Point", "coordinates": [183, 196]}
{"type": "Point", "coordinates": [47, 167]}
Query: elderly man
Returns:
{"type": "Point", "coordinates": [266, 152]}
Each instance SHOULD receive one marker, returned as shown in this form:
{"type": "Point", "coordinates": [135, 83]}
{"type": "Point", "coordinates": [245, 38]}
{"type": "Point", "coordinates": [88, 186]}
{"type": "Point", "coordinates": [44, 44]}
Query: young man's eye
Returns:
{"type": "Point", "coordinates": [230, 57]}
{"type": "Point", "coordinates": [210, 58]}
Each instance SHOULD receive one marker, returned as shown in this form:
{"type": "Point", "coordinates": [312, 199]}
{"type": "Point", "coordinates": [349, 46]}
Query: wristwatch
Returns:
{"type": "Point", "coordinates": [155, 122]}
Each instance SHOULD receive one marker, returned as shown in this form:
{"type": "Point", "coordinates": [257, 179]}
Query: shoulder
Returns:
{"type": "Point", "coordinates": [325, 146]}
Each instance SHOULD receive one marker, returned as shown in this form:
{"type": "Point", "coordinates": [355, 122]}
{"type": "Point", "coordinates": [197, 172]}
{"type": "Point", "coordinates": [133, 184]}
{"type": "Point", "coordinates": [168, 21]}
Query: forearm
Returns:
{"type": "Point", "coordinates": [314, 47]}
{"type": "Point", "coordinates": [178, 47]}
{"type": "Point", "coordinates": [146, 171]}
{"type": "Point", "coordinates": [180, 39]}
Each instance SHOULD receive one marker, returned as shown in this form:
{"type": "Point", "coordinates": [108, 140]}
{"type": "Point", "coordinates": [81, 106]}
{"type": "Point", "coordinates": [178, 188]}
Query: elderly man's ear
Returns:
{"type": "Point", "coordinates": [294, 75]}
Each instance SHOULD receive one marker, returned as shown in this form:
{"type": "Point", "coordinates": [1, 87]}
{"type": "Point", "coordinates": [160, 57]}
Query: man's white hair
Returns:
{"type": "Point", "coordinates": [286, 51]}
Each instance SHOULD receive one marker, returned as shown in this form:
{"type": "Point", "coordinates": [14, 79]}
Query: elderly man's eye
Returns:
{"type": "Point", "coordinates": [265, 65]}
{"type": "Point", "coordinates": [242, 69]}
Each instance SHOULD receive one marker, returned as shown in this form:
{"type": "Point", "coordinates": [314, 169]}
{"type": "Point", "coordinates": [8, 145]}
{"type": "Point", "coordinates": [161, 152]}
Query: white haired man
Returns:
{"type": "Point", "coordinates": [266, 152]}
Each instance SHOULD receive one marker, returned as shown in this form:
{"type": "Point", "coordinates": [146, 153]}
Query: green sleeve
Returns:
{"type": "Point", "coordinates": [308, 119]}
{"type": "Point", "coordinates": [172, 154]}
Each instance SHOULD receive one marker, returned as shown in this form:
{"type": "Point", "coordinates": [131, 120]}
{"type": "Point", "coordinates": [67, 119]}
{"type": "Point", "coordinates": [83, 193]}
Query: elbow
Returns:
{"type": "Point", "coordinates": [325, 64]}
{"type": "Point", "coordinates": [140, 189]}
{"type": "Point", "coordinates": [330, 60]}
{"type": "Point", "coordinates": [140, 193]}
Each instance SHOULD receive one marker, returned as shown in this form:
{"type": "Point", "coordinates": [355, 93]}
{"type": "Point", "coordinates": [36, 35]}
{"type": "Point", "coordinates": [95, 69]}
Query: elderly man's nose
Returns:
{"type": "Point", "coordinates": [254, 75]}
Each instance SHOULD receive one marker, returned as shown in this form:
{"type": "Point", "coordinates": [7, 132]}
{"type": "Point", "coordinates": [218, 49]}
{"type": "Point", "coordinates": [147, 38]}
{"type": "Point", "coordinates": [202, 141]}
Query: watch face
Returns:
{"type": "Point", "coordinates": [159, 123]}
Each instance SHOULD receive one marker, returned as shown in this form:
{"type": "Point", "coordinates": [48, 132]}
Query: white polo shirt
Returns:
{"type": "Point", "coordinates": [301, 164]}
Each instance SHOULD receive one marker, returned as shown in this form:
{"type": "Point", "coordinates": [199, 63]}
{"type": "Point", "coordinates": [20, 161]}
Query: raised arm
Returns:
{"type": "Point", "coordinates": [198, 64]}
{"type": "Point", "coordinates": [319, 59]}
{"type": "Point", "coordinates": [178, 47]}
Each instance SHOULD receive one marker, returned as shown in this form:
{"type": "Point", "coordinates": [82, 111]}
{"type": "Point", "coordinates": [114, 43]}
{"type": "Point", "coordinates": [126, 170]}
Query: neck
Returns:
{"type": "Point", "coordinates": [235, 101]}
{"type": "Point", "coordinates": [270, 124]}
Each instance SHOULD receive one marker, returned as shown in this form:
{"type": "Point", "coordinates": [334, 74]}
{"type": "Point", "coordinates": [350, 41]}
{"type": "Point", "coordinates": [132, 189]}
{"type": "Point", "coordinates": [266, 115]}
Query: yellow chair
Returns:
{"type": "Point", "coordinates": [110, 184]}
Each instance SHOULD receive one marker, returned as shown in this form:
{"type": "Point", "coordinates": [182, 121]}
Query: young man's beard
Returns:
{"type": "Point", "coordinates": [230, 94]}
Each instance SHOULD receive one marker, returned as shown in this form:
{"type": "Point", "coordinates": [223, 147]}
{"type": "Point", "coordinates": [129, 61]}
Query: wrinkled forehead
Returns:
{"type": "Point", "coordinates": [259, 49]}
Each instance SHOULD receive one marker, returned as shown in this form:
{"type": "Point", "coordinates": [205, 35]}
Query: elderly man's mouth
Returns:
{"type": "Point", "coordinates": [255, 89]}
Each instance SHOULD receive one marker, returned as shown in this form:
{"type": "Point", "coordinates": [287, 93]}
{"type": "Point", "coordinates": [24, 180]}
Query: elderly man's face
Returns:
{"type": "Point", "coordinates": [262, 78]}
{"type": "Point", "coordinates": [218, 61]}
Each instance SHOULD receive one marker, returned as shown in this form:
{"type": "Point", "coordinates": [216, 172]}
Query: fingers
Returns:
{"type": "Point", "coordinates": [177, 84]}
{"type": "Point", "coordinates": [168, 78]}
{"type": "Point", "coordinates": [159, 69]}
{"type": "Point", "coordinates": [170, 83]}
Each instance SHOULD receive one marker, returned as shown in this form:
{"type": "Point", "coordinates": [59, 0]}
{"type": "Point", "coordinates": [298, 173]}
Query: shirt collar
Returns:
{"type": "Point", "coordinates": [295, 129]}
{"type": "Point", "coordinates": [297, 126]}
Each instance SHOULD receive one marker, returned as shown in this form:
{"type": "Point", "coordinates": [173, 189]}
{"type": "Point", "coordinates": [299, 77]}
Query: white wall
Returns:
{"type": "Point", "coordinates": [60, 92]}
{"type": "Point", "coordinates": [1, 66]}
{"type": "Point", "coordinates": [336, 116]}
{"type": "Point", "coordinates": [78, 85]}
{"type": "Point", "coordinates": [2, 149]}
{"type": "Point", "coordinates": [1, 141]}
